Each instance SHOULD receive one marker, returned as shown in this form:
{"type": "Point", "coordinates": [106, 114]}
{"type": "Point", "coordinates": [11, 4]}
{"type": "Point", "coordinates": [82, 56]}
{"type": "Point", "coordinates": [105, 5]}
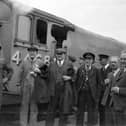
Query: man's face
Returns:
{"type": "Point", "coordinates": [88, 61]}
{"type": "Point", "coordinates": [114, 62]}
{"type": "Point", "coordinates": [103, 61]}
{"type": "Point", "coordinates": [60, 56]}
{"type": "Point", "coordinates": [32, 54]}
{"type": "Point", "coordinates": [123, 61]}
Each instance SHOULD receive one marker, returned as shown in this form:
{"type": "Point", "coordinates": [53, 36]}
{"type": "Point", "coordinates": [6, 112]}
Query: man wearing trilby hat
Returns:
{"type": "Point", "coordinates": [87, 83]}
{"type": "Point", "coordinates": [25, 69]}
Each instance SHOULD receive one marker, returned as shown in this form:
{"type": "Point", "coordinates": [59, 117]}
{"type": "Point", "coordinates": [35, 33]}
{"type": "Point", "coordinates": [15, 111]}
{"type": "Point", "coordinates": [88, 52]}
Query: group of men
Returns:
{"type": "Point", "coordinates": [101, 92]}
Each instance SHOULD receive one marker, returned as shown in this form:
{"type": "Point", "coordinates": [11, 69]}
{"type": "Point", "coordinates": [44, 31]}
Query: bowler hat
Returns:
{"type": "Point", "coordinates": [32, 48]}
{"type": "Point", "coordinates": [60, 51]}
{"type": "Point", "coordinates": [89, 55]}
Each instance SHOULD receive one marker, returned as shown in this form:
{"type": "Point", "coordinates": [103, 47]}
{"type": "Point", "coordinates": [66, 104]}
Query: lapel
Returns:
{"type": "Point", "coordinates": [116, 78]}
{"type": "Point", "coordinates": [91, 71]}
{"type": "Point", "coordinates": [64, 65]}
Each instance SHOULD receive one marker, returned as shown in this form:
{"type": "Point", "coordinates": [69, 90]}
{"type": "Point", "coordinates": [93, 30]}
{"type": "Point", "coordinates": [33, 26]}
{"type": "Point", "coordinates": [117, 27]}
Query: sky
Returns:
{"type": "Point", "coordinates": [104, 17]}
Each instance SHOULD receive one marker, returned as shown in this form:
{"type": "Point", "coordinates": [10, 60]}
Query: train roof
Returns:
{"type": "Point", "coordinates": [53, 18]}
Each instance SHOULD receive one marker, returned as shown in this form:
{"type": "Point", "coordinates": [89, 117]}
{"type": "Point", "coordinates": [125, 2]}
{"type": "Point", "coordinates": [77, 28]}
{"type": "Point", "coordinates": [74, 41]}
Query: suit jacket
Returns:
{"type": "Point", "coordinates": [93, 78]}
{"type": "Point", "coordinates": [106, 100]}
{"type": "Point", "coordinates": [119, 100]}
{"type": "Point", "coordinates": [56, 74]}
{"type": "Point", "coordinates": [104, 75]}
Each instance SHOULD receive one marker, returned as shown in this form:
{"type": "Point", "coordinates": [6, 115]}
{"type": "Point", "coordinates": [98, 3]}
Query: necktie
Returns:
{"type": "Point", "coordinates": [103, 69]}
{"type": "Point", "coordinates": [86, 74]}
{"type": "Point", "coordinates": [59, 63]}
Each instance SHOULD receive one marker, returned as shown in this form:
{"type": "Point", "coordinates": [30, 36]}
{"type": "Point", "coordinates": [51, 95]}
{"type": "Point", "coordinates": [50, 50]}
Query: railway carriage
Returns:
{"type": "Point", "coordinates": [22, 26]}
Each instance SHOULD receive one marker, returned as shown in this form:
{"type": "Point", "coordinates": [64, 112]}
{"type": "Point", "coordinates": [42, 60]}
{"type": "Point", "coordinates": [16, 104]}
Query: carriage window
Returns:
{"type": "Point", "coordinates": [23, 32]}
{"type": "Point", "coordinates": [41, 31]}
{"type": "Point", "coordinates": [60, 34]}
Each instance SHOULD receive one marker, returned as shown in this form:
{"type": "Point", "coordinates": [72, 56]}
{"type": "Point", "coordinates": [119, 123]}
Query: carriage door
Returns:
{"type": "Point", "coordinates": [22, 40]}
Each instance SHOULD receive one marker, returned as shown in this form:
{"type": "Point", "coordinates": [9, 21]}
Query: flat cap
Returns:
{"type": "Point", "coordinates": [88, 55]}
{"type": "Point", "coordinates": [60, 51]}
{"type": "Point", "coordinates": [32, 48]}
{"type": "Point", "coordinates": [103, 56]}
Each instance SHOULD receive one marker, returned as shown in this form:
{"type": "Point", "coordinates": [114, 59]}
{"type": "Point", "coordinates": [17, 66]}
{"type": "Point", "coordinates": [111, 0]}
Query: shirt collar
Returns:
{"type": "Point", "coordinates": [106, 66]}
{"type": "Point", "coordinates": [89, 68]}
{"type": "Point", "coordinates": [62, 61]}
{"type": "Point", "coordinates": [116, 71]}
{"type": "Point", "coordinates": [29, 59]}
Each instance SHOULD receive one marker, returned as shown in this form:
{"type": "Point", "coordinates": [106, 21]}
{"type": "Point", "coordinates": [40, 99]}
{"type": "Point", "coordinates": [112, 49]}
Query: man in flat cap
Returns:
{"type": "Point", "coordinates": [59, 88]}
{"type": "Point", "coordinates": [104, 71]}
{"type": "Point", "coordinates": [25, 68]}
{"type": "Point", "coordinates": [87, 84]}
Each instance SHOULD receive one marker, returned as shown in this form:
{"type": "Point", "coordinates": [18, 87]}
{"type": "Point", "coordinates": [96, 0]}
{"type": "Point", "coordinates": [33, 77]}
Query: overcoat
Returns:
{"type": "Point", "coordinates": [56, 77]}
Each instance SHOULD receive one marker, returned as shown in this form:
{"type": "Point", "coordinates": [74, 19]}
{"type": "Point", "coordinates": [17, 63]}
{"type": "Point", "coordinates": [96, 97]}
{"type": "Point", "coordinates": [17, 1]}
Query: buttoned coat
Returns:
{"type": "Point", "coordinates": [94, 81]}
{"type": "Point", "coordinates": [107, 92]}
{"type": "Point", "coordinates": [119, 100]}
{"type": "Point", "coordinates": [56, 72]}
{"type": "Point", "coordinates": [40, 92]}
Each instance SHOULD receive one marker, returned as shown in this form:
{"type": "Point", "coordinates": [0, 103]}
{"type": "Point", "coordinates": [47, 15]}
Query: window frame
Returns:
{"type": "Point", "coordinates": [16, 31]}
{"type": "Point", "coordinates": [34, 32]}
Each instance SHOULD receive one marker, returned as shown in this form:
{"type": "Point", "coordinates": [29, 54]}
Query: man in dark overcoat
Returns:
{"type": "Point", "coordinates": [119, 94]}
{"type": "Point", "coordinates": [104, 70]}
{"type": "Point", "coordinates": [106, 100]}
{"type": "Point", "coordinates": [87, 84]}
{"type": "Point", "coordinates": [59, 88]}
{"type": "Point", "coordinates": [39, 78]}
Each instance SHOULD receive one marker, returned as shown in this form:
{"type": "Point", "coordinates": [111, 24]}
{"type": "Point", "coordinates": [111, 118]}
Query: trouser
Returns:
{"type": "Point", "coordinates": [101, 111]}
{"type": "Point", "coordinates": [56, 101]}
{"type": "Point", "coordinates": [101, 115]}
{"type": "Point", "coordinates": [25, 106]}
{"type": "Point", "coordinates": [120, 118]}
{"type": "Point", "coordinates": [109, 116]}
{"type": "Point", "coordinates": [33, 113]}
{"type": "Point", "coordinates": [86, 104]}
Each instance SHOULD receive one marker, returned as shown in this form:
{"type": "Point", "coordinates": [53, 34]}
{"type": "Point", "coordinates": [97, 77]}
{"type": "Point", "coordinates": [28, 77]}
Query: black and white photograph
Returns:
{"type": "Point", "coordinates": [62, 63]}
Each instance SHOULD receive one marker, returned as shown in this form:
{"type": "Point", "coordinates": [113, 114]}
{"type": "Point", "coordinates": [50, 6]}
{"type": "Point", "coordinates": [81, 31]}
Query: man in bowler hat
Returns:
{"type": "Point", "coordinates": [87, 84]}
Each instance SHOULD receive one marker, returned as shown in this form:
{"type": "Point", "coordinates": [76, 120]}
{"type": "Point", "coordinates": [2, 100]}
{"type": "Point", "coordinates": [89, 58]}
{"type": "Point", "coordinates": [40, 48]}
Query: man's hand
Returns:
{"type": "Point", "coordinates": [5, 80]}
{"type": "Point", "coordinates": [115, 89]}
{"type": "Point", "coordinates": [65, 77]}
{"type": "Point", "coordinates": [107, 81]}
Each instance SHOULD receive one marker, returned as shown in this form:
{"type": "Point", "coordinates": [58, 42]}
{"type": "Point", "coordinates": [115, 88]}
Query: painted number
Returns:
{"type": "Point", "coordinates": [17, 57]}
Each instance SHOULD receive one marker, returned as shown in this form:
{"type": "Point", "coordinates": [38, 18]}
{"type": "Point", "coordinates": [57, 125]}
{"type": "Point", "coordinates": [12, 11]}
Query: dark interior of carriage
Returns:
{"type": "Point", "coordinates": [60, 34]}
{"type": "Point", "coordinates": [41, 31]}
